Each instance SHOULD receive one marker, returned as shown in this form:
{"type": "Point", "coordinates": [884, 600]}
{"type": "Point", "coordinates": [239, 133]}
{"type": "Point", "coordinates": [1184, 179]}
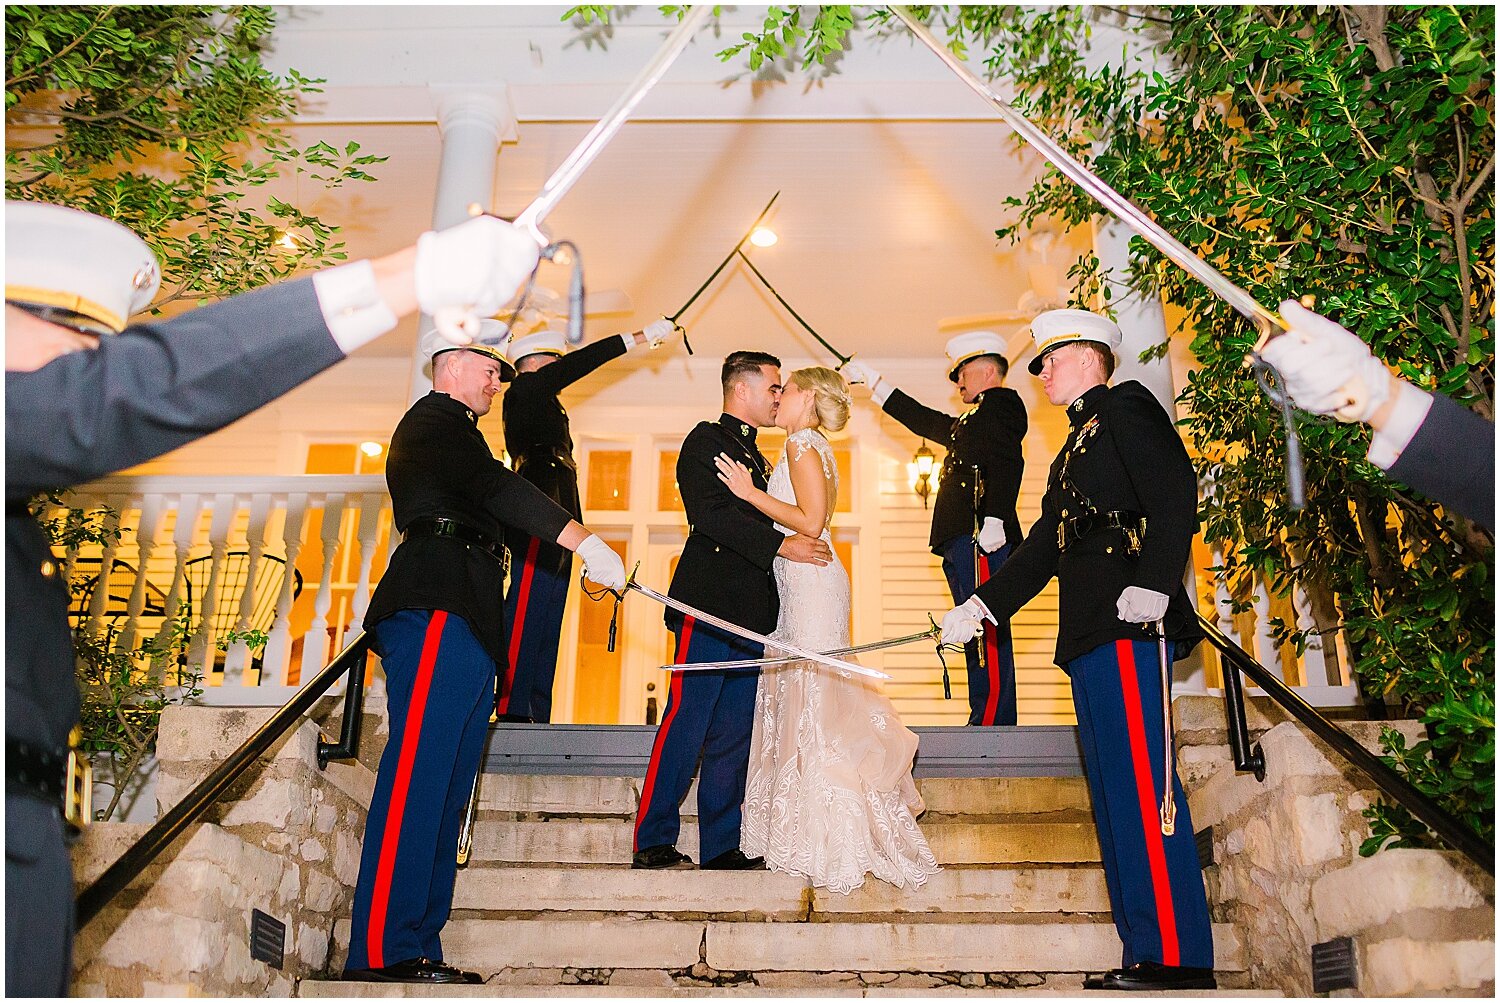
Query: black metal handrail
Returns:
{"type": "Point", "coordinates": [1448, 828]}
{"type": "Point", "coordinates": [190, 809]}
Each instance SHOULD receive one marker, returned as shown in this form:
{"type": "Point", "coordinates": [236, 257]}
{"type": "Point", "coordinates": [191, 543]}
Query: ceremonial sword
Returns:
{"type": "Point", "coordinates": [1168, 806]}
{"type": "Point", "coordinates": [766, 663]}
{"type": "Point", "coordinates": [1266, 322]}
{"type": "Point", "coordinates": [589, 148]}
{"type": "Point", "coordinates": [749, 635]}
{"type": "Point", "coordinates": [715, 274]}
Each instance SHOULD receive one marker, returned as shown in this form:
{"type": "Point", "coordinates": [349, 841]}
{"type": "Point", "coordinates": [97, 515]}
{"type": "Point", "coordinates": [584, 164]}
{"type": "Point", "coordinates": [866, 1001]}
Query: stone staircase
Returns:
{"type": "Point", "coordinates": [549, 906]}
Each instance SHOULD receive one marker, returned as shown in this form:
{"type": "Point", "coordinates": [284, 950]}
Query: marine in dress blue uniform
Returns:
{"type": "Point", "coordinates": [725, 570]}
{"type": "Point", "coordinates": [974, 522]}
{"type": "Point", "coordinates": [440, 634]}
{"type": "Point", "coordinates": [540, 445]}
{"type": "Point", "coordinates": [1116, 528]}
{"type": "Point", "coordinates": [80, 406]}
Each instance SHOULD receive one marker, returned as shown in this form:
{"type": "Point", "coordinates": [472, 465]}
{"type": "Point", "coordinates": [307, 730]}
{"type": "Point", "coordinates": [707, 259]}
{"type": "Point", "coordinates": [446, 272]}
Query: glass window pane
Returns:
{"type": "Point", "coordinates": [609, 480]}
{"type": "Point", "coordinates": [667, 497]}
{"type": "Point", "coordinates": [596, 697]}
{"type": "Point", "coordinates": [844, 462]}
{"type": "Point", "coordinates": [332, 458]}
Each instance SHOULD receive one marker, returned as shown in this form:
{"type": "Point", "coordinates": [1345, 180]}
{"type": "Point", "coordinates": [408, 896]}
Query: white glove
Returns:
{"type": "Point", "coordinates": [991, 535]}
{"type": "Point", "coordinates": [962, 623]}
{"type": "Point", "coordinates": [468, 271]}
{"type": "Point", "coordinates": [1327, 369]}
{"type": "Point", "coordinates": [601, 564]}
{"type": "Point", "coordinates": [1138, 605]}
{"type": "Point", "coordinates": [860, 372]}
{"type": "Point", "coordinates": [658, 331]}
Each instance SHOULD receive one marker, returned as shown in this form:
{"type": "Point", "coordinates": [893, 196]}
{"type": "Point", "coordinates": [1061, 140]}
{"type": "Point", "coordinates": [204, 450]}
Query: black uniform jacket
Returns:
{"type": "Point", "coordinates": [725, 567]}
{"type": "Point", "coordinates": [141, 393]}
{"type": "Point", "coordinates": [1451, 459]}
{"type": "Point", "coordinates": [1122, 454]}
{"type": "Point", "coordinates": [988, 436]}
{"type": "Point", "coordinates": [441, 467]}
{"type": "Point", "coordinates": [536, 424]}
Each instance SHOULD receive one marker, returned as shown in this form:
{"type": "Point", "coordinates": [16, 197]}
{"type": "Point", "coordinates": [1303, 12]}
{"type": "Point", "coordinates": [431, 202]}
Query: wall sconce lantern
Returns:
{"type": "Point", "coordinates": [923, 461]}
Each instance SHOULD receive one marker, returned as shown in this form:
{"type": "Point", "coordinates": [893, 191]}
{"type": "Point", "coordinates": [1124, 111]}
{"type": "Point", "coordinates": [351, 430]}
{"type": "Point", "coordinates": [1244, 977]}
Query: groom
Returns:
{"type": "Point", "coordinates": [725, 570]}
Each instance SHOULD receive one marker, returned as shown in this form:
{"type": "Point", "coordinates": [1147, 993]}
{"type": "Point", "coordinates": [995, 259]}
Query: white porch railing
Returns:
{"type": "Point", "coordinates": [232, 550]}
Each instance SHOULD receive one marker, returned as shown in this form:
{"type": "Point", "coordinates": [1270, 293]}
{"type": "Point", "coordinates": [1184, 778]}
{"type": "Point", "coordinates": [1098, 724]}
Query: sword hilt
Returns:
{"type": "Point", "coordinates": [614, 614]}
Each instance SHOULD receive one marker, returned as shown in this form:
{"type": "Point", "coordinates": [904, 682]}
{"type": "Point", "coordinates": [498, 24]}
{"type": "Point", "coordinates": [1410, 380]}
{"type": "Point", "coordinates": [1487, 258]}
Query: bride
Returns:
{"type": "Point", "coordinates": [829, 794]}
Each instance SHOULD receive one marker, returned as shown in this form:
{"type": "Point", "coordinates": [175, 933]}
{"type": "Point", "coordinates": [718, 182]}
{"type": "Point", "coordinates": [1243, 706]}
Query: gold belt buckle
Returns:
{"type": "Point", "coordinates": [78, 784]}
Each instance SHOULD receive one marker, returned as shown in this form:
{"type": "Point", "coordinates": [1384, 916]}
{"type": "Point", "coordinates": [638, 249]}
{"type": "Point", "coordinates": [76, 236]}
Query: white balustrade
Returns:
{"type": "Point", "coordinates": [253, 522]}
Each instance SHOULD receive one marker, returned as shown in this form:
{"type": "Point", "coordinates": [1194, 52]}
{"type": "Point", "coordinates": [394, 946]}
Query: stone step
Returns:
{"type": "Point", "coordinates": [516, 890]}
{"type": "Point", "coordinates": [565, 795]}
{"type": "Point", "coordinates": [705, 949]}
{"type": "Point", "coordinates": [375, 990]}
{"type": "Point", "coordinates": [608, 841]}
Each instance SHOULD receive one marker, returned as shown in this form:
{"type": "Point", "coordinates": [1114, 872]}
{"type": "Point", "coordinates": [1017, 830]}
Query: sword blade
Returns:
{"type": "Point", "coordinates": [604, 130]}
{"type": "Point", "coordinates": [750, 635]}
{"type": "Point", "coordinates": [762, 663]}
{"type": "Point", "coordinates": [727, 259]}
{"type": "Point", "coordinates": [1266, 321]}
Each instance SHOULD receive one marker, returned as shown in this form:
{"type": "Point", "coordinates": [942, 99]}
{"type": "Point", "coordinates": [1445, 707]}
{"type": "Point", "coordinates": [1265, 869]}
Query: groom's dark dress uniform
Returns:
{"type": "Point", "coordinates": [725, 569]}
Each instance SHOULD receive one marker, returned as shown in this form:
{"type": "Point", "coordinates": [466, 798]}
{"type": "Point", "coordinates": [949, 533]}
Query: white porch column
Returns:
{"type": "Point", "coordinates": [1141, 318]}
{"type": "Point", "coordinates": [473, 122]}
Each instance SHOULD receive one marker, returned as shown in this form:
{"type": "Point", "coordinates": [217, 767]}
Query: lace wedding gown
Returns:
{"type": "Point", "coordinates": [829, 794]}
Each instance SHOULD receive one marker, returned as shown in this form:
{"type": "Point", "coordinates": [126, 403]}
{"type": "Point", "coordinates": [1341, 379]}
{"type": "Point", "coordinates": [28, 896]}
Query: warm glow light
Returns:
{"type": "Point", "coordinates": [287, 241]}
{"type": "Point", "coordinates": [763, 237]}
{"type": "Point", "coordinates": [371, 449]}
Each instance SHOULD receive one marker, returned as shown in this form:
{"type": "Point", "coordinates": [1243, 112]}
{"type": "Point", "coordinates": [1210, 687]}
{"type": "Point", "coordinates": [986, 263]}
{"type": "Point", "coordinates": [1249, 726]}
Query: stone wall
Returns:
{"type": "Point", "coordinates": [285, 840]}
{"type": "Point", "coordinates": [1287, 871]}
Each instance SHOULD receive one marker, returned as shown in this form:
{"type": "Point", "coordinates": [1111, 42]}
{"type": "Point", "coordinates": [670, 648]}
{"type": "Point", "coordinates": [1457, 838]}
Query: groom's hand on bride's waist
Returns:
{"type": "Point", "coordinates": [805, 550]}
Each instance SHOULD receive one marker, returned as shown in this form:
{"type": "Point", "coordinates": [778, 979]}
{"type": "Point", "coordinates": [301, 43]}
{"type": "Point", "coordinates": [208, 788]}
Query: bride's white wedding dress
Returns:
{"type": "Point", "coordinates": [829, 794]}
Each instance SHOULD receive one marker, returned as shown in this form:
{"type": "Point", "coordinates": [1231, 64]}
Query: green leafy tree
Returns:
{"type": "Point", "coordinates": [1341, 152]}
{"type": "Point", "coordinates": [164, 118]}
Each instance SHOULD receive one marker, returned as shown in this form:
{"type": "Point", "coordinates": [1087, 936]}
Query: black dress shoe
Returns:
{"type": "Point", "coordinates": [513, 719]}
{"type": "Point", "coordinates": [659, 858]}
{"type": "Point", "coordinates": [418, 971]}
{"type": "Point", "coordinates": [1153, 976]}
{"type": "Point", "coordinates": [734, 860]}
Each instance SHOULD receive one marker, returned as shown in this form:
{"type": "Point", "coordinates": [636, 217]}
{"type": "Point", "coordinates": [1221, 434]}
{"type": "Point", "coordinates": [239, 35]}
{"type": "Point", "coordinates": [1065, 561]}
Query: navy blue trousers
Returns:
{"type": "Point", "coordinates": [439, 681]}
{"type": "Point", "coordinates": [1155, 882]}
{"type": "Point", "coordinates": [992, 680]}
{"type": "Point", "coordinates": [534, 605]}
{"type": "Point", "coordinates": [708, 714]}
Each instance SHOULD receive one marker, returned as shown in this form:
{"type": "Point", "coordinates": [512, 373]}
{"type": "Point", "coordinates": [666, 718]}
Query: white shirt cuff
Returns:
{"type": "Point", "coordinates": [983, 609]}
{"type": "Point", "coordinates": [352, 305]}
{"type": "Point", "coordinates": [880, 391]}
{"type": "Point", "coordinates": [630, 344]}
{"type": "Point", "coordinates": [1407, 415]}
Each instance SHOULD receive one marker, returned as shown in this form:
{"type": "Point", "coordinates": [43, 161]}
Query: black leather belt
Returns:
{"type": "Point", "coordinates": [453, 529]}
{"type": "Point", "coordinates": [58, 776]}
{"type": "Point", "coordinates": [1132, 524]}
{"type": "Point", "coordinates": [536, 453]}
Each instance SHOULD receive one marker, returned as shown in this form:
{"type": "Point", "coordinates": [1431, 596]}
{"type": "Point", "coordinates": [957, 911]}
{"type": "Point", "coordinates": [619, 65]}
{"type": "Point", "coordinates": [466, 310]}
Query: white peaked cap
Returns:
{"type": "Point", "coordinates": [548, 342]}
{"type": "Point", "coordinates": [77, 262]}
{"type": "Point", "coordinates": [971, 345]}
{"type": "Point", "coordinates": [1056, 328]}
{"type": "Point", "coordinates": [492, 340]}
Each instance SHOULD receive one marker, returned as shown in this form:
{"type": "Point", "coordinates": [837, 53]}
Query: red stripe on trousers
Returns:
{"type": "Point", "coordinates": [991, 653]}
{"type": "Point", "coordinates": [1156, 851]}
{"type": "Point", "coordinates": [519, 627]}
{"type": "Point", "coordinates": [675, 699]}
{"type": "Point", "coordinates": [391, 838]}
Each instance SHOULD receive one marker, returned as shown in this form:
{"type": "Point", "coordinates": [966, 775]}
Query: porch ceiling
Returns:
{"type": "Point", "coordinates": [892, 175]}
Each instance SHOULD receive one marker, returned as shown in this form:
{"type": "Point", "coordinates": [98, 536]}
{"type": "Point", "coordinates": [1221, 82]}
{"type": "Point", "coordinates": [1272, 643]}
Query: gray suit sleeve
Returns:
{"type": "Point", "coordinates": [159, 385]}
{"type": "Point", "coordinates": [1451, 460]}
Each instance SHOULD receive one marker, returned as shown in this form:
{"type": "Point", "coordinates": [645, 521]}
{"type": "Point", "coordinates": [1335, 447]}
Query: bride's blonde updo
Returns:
{"type": "Point", "coordinates": [831, 398]}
